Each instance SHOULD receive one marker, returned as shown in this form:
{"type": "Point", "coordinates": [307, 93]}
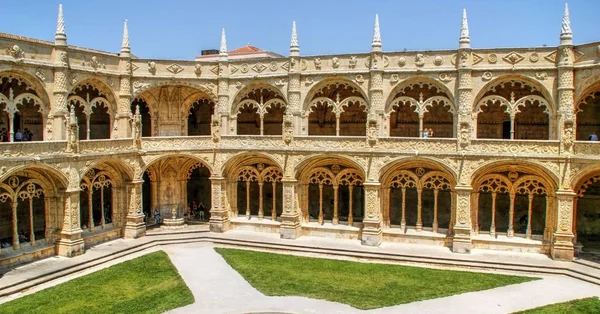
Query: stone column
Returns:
{"type": "Point", "coordinates": [462, 228]}
{"type": "Point", "coordinates": [290, 216]}
{"type": "Point", "coordinates": [219, 217]}
{"type": "Point", "coordinates": [562, 244]}
{"type": "Point", "coordinates": [70, 243]}
{"type": "Point", "coordinates": [372, 233]}
{"type": "Point", "coordinates": [135, 226]}
{"type": "Point", "coordinates": [60, 92]}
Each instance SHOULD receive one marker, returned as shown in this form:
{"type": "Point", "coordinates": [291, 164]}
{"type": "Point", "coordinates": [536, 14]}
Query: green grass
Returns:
{"type": "Point", "coordinates": [583, 306]}
{"type": "Point", "coordinates": [361, 285]}
{"type": "Point", "coordinates": [147, 284]}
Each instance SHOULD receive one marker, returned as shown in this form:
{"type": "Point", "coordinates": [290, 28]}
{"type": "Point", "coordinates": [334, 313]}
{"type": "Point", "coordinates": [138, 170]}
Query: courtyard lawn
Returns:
{"type": "Point", "coordinates": [581, 306]}
{"type": "Point", "coordinates": [147, 284]}
{"type": "Point", "coordinates": [361, 285]}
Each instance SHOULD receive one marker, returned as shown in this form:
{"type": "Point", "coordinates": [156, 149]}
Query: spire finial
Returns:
{"type": "Point", "coordinates": [60, 37]}
{"type": "Point", "coordinates": [464, 41]}
{"type": "Point", "coordinates": [294, 47]}
{"type": "Point", "coordinates": [376, 44]}
{"type": "Point", "coordinates": [223, 49]}
{"type": "Point", "coordinates": [125, 45]}
{"type": "Point", "coordinates": [566, 35]}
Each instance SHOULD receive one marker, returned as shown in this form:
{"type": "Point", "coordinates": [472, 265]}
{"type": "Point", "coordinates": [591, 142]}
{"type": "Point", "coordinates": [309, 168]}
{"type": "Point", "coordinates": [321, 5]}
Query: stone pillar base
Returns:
{"type": "Point", "coordinates": [371, 234]}
{"type": "Point", "coordinates": [290, 227]}
{"type": "Point", "coordinates": [562, 249]}
{"type": "Point", "coordinates": [70, 244]}
{"type": "Point", "coordinates": [218, 224]}
{"type": "Point", "coordinates": [461, 243]}
{"type": "Point", "coordinates": [135, 227]}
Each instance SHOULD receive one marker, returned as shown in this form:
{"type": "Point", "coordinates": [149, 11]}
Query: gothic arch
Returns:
{"type": "Point", "coordinates": [245, 158]}
{"type": "Point", "coordinates": [420, 106]}
{"type": "Point", "coordinates": [320, 160]}
{"type": "Point", "coordinates": [588, 104]}
{"type": "Point", "coordinates": [514, 107]}
{"type": "Point", "coordinates": [417, 193]}
{"type": "Point", "coordinates": [53, 179]}
{"type": "Point", "coordinates": [144, 87]}
{"type": "Point", "coordinates": [104, 90]}
{"type": "Point", "coordinates": [549, 178]}
{"type": "Point", "coordinates": [441, 89]}
{"type": "Point", "coordinates": [170, 104]}
{"type": "Point", "coordinates": [314, 91]}
{"type": "Point", "coordinates": [243, 93]}
{"type": "Point", "coordinates": [408, 162]}
{"type": "Point", "coordinates": [118, 168]}
{"type": "Point", "coordinates": [33, 82]}
{"type": "Point", "coordinates": [335, 107]}
{"type": "Point", "coordinates": [259, 109]}
{"type": "Point", "coordinates": [190, 162]}
{"type": "Point", "coordinates": [24, 105]}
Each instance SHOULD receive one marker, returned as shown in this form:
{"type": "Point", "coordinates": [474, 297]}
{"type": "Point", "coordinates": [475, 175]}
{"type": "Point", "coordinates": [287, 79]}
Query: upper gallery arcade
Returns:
{"type": "Point", "coordinates": [452, 147]}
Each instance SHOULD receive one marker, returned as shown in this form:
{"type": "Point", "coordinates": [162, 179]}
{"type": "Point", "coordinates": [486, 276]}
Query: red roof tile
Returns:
{"type": "Point", "coordinates": [246, 49]}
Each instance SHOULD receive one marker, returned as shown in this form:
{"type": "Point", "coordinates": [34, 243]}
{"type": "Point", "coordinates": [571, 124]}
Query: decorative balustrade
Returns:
{"type": "Point", "coordinates": [106, 146]}
{"type": "Point", "coordinates": [32, 149]}
{"type": "Point", "coordinates": [518, 147]}
{"type": "Point", "coordinates": [390, 145]}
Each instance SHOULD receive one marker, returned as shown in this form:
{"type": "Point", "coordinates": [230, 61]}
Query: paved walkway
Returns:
{"type": "Point", "coordinates": [219, 289]}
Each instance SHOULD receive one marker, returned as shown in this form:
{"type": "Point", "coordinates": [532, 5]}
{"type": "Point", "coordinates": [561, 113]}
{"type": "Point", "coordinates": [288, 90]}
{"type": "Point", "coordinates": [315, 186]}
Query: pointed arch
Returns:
{"type": "Point", "coordinates": [587, 111]}
{"type": "Point", "coordinates": [529, 111]}
{"type": "Point", "coordinates": [421, 107]}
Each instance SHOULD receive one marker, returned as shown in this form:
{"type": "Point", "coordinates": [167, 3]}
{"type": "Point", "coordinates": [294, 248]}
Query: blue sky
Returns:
{"type": "Point", "coordinates": [179, 29]}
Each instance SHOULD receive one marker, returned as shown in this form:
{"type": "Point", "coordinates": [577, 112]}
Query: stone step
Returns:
{"type": "Point", "coordinates": [580, 273]}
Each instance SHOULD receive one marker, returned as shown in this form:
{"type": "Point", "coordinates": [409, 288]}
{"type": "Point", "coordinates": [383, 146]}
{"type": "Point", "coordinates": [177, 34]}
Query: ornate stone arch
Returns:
{"type": "Point", "coordinates": [248, 95]}
{"type": "Point", "coordinates": [189, 164]}
{"type": "Point", "coordinates": [438, 89]}
{"type": "Point", "coordinates": [31, 83]}
{"type": "Point", "coordinates": [23, 96]}
{"type": "Point", "coordinates": [120, 171]}
{"type": "Point", "coordinates": [548, 178]}
{"type": "Point", "coordinates": [52, 178]}
{"type": "Point", "coordinates": [140, 87]}
{"type": "Point", "coordinates": [321, 160]}
{"type": "Point", "coordinates": [329, 86]}
{"type": "Point", "coordinates": [248, 174]}
{"type": "Point", "coordinates": [493, 183]}
{"type": "Point", "coordinates": [514, 93]}
{"type": "Point", "coordinates": [417, 105]}
{"type": "Point", "coordinates": [588, 122]}
{"type": "Point", "coordinates": [229, 167]}
{"type": "Point", "coordinates": [586, 174]}
{"type": "Point", "coordinates": [103, 89]}
{"type": "Point", "coordinates": [271, 174]}
{"type": "Point", "coordinates": [400, 163]}
{"type": "Point", "coordinates": [502, 80]}
{"type": "Point", "coordinates": [349, 177]}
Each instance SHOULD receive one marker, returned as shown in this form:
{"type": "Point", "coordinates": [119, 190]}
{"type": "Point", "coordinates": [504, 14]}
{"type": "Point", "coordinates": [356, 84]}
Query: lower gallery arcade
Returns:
{"type": "Point", "coordinates": [414, 200]}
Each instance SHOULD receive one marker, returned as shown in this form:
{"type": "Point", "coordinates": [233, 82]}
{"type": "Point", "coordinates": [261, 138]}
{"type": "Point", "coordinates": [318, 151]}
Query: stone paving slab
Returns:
{"type": "Point", "coordinates": [222, 290]}
{"type": "Point", "coordinates": [218, 288]}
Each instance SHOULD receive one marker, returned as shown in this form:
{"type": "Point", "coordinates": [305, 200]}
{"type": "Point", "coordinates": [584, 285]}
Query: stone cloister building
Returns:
{"type": "Point", "coordinates": [466, 148]}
